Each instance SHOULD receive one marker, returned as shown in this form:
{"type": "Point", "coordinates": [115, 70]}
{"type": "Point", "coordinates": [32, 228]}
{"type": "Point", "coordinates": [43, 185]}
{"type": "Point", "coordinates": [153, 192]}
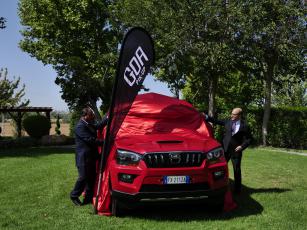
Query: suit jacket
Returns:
{"type": "Point", "coordinates": [86, 140]}
{"type": "Point", "coordinates": [243, 137]}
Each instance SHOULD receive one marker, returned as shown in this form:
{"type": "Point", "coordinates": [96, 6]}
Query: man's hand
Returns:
{"type": "Point", "coordinates": [204, 115]}
{"type": "Point", "coordinates": [238, 149]}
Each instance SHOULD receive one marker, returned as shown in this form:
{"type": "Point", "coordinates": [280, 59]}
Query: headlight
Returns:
{"type": "Point", "coordinates": [209, 155]}
{"type": "Point", "coordinates": [124, 157]}
{"type": "Point", "coordinates": [215, 154]}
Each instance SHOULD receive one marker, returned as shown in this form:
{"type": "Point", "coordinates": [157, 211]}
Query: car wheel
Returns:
{"type": "Point", "coordinates": [217, 204]}
{"type": "Point", "coordinates": [116, 208]}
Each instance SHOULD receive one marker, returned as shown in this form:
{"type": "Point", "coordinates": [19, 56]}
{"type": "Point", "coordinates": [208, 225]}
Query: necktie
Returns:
{"type": "Point", "coordinates": [233, 128]}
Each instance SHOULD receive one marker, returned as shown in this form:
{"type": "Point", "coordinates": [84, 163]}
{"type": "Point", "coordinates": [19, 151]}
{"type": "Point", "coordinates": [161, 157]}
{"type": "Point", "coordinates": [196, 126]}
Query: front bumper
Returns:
{"type": "Point", "coordinates": [202, 178]}
{"type": "Point", "coordinates": [176, 195]}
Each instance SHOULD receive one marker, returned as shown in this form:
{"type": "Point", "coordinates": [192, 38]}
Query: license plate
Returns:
{"type": "Point", "coordinates": [176, 180]}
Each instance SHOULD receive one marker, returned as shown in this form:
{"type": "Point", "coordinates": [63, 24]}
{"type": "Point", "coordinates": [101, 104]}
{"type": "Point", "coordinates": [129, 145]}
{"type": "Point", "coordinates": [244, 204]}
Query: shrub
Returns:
{"type": "Point", "coordinates": [56, 140]}
{"type": "Point", "coordinates": [21, 142]}
{"type": "Point", "coordinates": [27, 142]}
{"type": "Point", "coordinates": [58, 125]}
{"type": "Point", "coordinates": [37, 126]}
{"type": "Point", "coordinates": [287, 126]}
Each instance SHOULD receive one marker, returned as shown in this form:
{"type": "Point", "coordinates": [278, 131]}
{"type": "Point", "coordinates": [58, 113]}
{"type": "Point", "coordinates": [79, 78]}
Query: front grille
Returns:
{"type": "Point", "coordinates": [174, 187]}
{"type": "Point", "coordinates": [174, 159]}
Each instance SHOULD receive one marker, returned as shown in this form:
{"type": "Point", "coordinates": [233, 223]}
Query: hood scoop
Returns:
{"type": "Point", "coordinates": [169, 142]}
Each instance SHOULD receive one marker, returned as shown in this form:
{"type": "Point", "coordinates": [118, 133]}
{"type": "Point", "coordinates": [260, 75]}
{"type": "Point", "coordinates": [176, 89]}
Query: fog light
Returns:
{"type": "Point", "coordinates": [127, 178]}
{"type": "Point", "coordinates": [218, 175]}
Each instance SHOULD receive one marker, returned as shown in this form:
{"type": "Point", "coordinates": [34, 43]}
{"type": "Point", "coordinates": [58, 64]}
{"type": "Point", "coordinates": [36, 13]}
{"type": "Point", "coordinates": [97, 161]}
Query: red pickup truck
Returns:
{"type": "Point", "coordinates": [164, 151]}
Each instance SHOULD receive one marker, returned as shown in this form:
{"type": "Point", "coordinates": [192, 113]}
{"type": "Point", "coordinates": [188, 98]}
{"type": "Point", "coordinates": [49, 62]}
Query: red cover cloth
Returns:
{"type": "Point", "coordinates": [153, 113]}
{"type": "Point", "coordinates": [104, 198]}
{"type": "Point", "coordinates": [229, 203]}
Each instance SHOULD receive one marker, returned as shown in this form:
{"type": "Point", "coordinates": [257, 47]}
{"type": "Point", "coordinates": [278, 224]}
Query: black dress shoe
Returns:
{"type": "Point", "coordinates": [76, 201]}
{"type": "Point", "coordinates": [86, 201]}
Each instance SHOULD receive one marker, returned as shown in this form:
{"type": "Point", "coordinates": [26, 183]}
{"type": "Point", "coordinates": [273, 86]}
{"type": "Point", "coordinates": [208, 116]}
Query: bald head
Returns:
{"type": "Point", "coordinates": [236, 114]}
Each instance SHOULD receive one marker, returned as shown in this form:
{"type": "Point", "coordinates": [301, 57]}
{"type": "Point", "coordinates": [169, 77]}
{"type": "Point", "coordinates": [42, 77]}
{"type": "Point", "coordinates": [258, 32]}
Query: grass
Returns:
{"type": "Point", "coordinates": [35, 185]}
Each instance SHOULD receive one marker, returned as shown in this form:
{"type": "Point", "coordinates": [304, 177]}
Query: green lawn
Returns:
{"type": "Point", "coordinates": [35, 186]}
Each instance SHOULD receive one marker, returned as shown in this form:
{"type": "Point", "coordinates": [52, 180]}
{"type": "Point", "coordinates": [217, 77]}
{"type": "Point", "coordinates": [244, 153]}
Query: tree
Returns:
{"type": "Point", "coordinates": [58, 125]}
{"type": "Point", "coordinates": [10, 93]}
{"type": "Point", "coordinates": [273, 34]}
{"type": "Point", "coordinates": [2, 22]}
{"type": "Point", "coordinates": [193, 39]}
{"type": "Point", "coordinates": [289, 93]}
{"type": "Point", "coordinates": [77, 39]}
{"type": "Point", "coordinates": [213, 44]}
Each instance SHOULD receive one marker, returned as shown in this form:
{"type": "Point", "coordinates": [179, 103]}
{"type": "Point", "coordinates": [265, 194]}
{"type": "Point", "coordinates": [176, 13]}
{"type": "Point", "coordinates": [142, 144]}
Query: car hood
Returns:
{"type": "Point", "coordinates": [165, 143]}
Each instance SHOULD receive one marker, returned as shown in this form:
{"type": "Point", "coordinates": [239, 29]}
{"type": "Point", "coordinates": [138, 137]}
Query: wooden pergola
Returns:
{"type": "Point", "coordinates": [17, 113]}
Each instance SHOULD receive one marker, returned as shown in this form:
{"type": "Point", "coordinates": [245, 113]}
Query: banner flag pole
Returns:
{"type": "Point", "coordinates": [135, 60]}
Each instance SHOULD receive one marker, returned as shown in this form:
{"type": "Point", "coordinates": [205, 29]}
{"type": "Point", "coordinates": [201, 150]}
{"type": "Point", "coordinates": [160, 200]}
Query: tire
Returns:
{"type": "Point", "coordinates": [116, 208]}
{"type": "Point", "coordinates": [219, 206]}
{"type": "Point", "coordinates": [217, 203]}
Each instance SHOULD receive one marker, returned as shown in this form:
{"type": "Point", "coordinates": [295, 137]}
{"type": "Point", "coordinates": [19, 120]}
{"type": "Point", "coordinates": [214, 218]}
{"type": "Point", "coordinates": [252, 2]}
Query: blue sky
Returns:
{"type": "Point", "coordinates": [39, 79]}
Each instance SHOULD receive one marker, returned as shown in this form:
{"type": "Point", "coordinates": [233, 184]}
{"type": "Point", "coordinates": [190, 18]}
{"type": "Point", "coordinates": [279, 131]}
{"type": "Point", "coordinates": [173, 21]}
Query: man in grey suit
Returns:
{"type": "Point", "coordinates": [237, 137]}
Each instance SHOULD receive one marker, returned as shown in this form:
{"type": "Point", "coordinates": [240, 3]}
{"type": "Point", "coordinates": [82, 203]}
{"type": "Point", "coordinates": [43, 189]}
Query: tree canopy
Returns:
{"type": "Point", "coordinates": [2, 22]}
{"type": "Point", "coordinates": [11, 95]}
{"type": "Point", "coordinates": [274, 44]}
{"type": "Point", "coordinates": [223, 52]}
{"type": "Point", "coordinates": [194, 40]}
{"type": "Point", "coordinates": [76, 38]}
{"type": "Point", "coordinates": [219, 54]}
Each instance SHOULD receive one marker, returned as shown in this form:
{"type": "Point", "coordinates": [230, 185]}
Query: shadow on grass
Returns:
{"type": "Point", "coordinates": [36, 151]}
{"type": "Point", "coordinates": [247, 206]}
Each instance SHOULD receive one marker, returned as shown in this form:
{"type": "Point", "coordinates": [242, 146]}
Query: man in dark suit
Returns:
{"type": "Point", "coordinates": [86, 155]}
{"type": "Point", "coordinates": [237, 137]}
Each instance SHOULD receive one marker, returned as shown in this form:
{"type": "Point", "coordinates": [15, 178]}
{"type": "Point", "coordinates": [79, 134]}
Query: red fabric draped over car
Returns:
{"type": "Point", "coordinates": [153, 114]}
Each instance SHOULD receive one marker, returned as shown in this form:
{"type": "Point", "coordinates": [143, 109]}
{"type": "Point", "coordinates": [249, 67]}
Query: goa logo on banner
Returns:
{"type": "Point", "coordinates": [135, 70]}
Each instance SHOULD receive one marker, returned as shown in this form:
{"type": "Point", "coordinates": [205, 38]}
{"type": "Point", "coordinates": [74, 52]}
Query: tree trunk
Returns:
{"type": "Point", "coordinates": [176, 93]}
{"type": "Point", "coordinates": [267, 102]}
{"type": "Point", "coordinates": [212, 93]}
{"type": "Point", "coordinates": [2, 123]}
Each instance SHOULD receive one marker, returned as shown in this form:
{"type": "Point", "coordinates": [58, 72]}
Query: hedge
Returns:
{"type": "Point", "coordinates": [26, 142]}
{"type": "Point", "coordinates": [36, 125]}
{"type": "Point", "coordinates": [287, 126]}
{"type": "Point", "coordinates": [20, 142]}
